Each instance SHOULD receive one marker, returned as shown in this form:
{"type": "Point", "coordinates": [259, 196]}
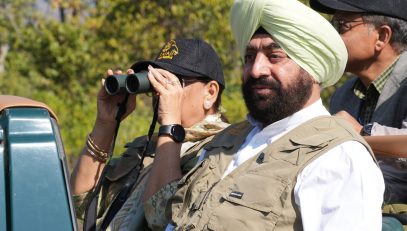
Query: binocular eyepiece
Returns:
{"type": "Point", "coordinates": [133, 83]}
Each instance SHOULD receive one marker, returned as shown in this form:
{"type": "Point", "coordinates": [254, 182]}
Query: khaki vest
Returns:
{"type": "Point", "coordinates": [121, 169]}
{"type": "Point", "coordinates": [258, 195]}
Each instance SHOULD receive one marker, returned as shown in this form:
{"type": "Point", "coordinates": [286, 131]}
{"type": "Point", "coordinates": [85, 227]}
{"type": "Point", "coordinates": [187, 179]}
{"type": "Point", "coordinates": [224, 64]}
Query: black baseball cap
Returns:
{"type": "Point", "coordinates": [189, 58]}
{"type": "Point", "coordinates": [392, 8]}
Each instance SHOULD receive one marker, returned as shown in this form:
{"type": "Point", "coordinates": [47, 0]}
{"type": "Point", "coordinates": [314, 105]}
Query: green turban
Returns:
{"type": "Point", "coordinates": [307, 37]}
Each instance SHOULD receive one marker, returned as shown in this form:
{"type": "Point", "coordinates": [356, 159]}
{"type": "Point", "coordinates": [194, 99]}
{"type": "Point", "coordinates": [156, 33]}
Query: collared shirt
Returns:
{"type": "Point", "coordinates": [259, 138]}
{"type": "Point", "coordinates": [370, 94]}
{"type": "Point", "coordinates": [340, 190]}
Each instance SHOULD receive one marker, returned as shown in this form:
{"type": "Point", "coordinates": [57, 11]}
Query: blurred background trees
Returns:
{"type": "Point", "coordinates": [57, 51]}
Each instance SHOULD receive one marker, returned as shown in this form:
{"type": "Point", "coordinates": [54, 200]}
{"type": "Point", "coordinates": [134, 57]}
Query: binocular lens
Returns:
{"type": "Point", "coordinates": [138, 83]}
{"type": "Point", "coordinates": [132, 84]}
{"type": "Point", "coordinates": [112, 84]}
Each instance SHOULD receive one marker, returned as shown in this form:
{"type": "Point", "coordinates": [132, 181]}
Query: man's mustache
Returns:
{"type": "Point", "coordinates": [263, 82]}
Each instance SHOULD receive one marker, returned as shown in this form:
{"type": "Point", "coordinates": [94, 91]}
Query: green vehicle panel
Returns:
{"type": "Point", "coordinates": [34, 192]}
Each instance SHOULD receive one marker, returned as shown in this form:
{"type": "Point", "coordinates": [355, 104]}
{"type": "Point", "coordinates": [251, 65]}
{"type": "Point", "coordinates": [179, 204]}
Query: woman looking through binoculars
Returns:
{"type": "Point", "coordinates": [187, 79]}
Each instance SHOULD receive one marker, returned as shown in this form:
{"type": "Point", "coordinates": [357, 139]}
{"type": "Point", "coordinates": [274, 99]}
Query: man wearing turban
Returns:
{"type": "Point", "coordinates": [290, 165]}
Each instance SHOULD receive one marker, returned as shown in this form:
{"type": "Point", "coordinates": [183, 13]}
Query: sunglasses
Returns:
{"type": "Point", "coordinates": [185, 81]}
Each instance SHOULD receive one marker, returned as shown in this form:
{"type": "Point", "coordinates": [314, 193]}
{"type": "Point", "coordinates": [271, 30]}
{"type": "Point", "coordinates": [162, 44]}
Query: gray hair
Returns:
{"type": "Point", "coordinates": [398, 26]}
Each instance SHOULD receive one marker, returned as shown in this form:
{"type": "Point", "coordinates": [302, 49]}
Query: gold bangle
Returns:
{"type": "Point", "coordinates": [95, 146]}
{"type": "Point", "coordinates": [97, 157]}
{"type": "Point", "coordinates": [95, 151]}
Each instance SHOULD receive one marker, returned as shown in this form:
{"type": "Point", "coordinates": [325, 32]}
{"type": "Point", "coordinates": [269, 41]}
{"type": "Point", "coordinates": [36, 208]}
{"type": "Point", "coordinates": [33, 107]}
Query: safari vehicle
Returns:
{"type": "Point", "coordinates": [34, 192]}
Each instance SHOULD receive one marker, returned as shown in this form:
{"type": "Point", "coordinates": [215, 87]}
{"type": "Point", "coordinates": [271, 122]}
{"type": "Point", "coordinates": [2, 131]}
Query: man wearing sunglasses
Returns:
{"type": "Point", "coordinates": [375, 99]}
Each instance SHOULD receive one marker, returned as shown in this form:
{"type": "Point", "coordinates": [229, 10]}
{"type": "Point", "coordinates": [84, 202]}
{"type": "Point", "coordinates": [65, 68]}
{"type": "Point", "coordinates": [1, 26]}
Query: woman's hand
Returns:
{"type": "Point", "coordinates": [170, 92]}
{"type": "Point", "coordinates": [167, 154]}
{"type": "Point", "coordinates": [107, 105]}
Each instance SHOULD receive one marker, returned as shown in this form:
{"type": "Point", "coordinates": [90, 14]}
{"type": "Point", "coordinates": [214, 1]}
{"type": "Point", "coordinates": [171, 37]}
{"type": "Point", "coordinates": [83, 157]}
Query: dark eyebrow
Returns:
{"type": "Point", "coordinates": [271, 46]}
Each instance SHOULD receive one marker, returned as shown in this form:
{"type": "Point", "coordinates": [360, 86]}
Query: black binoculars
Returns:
{"type": "Point", "coordinates": [133, 83]}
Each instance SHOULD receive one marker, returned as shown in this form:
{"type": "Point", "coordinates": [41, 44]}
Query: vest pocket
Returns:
{"type": "Point", "coordinates": [253, 202]}
{"type": "Point", "coordinates": [183, 199]}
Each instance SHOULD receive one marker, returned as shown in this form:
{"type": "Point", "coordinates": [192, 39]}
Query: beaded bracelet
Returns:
{"type": "Point", "coordinates": [95, 151]}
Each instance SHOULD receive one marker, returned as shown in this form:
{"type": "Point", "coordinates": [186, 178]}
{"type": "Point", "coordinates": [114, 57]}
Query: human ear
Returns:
{"type": "Point", "coordinates": [384, 36]}
{"type": "Point", "coordinates": [211, 94]}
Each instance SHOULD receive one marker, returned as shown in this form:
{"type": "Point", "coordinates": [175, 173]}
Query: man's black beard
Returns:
{"type": "Point", "coordinates": [280, 103]}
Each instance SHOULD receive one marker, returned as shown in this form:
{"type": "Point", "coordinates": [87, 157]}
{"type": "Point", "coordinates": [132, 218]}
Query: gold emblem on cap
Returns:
{"type": "Point", "coordinates": [169, 51]}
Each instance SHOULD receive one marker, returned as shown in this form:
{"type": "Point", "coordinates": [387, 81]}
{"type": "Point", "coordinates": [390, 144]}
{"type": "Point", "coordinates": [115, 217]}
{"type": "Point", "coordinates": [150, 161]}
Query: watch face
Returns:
{"type": "Point", "coordinates": [178, 132]}
{"type": "Point", "coordinates": [175, 131]}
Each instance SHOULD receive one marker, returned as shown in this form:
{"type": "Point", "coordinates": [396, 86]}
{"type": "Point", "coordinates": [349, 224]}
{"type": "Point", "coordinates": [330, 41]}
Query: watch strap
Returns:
{"type": "Point", "coordinates": [165, 129]}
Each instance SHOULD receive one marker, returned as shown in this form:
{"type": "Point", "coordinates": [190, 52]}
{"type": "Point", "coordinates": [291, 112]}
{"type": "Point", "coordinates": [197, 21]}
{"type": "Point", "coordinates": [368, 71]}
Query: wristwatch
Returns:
{"type": "Point", "coordinates": [366, 129]}
{"type": "Point", "coordinates": [175, 131]}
